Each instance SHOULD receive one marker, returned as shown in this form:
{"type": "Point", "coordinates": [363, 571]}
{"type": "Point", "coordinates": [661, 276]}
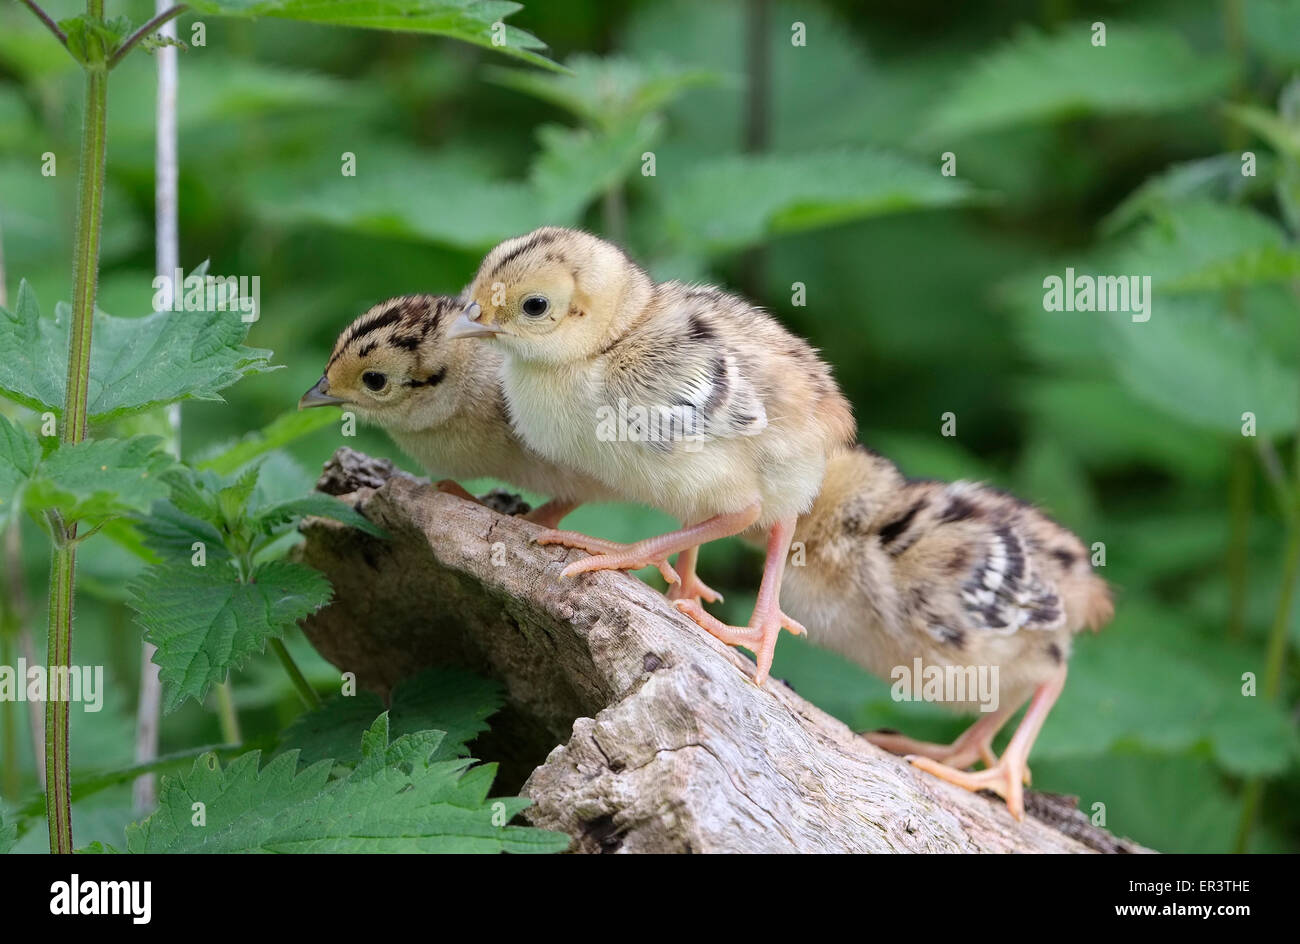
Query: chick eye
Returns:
{"type": "Point", "coordinates": [535, 306]}
{"type": "Point", "coordinates": [374, 380]}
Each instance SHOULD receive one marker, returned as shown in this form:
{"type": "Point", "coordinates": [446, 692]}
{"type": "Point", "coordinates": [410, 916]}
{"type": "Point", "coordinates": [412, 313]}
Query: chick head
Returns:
{"type": "Point", "coordinates": [394, 367]}
{"type": "Point", "coordinates": [553, 295]}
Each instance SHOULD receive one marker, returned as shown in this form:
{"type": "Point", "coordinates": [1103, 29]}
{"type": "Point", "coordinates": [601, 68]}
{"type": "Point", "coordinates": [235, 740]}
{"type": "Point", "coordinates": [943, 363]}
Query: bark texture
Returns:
{"type": "Point", "coordinates": [629, 727]}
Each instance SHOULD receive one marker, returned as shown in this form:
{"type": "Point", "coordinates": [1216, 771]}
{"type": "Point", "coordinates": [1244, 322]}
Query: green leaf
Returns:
{"type": "Point", "coordinates": [1201, 245]}
{"type": "Point", "coordinates": [318, 505]}
{"type": "Point", "coordinates": [1111, 701]}
{"type": "Point", "coordinates": [728, 203]}
{"type": "Point", "coordinates": [400, 192]}
{"type": "Point", "coordinates": [1195, 362]}
{"type": "Point", "coordinates": [445, 699]}
{"type": "Point", "coordinates": [396, 800]}
{"type": "Point", "coordinates": [608, 91]}
{"type": "Point", "coordinates": [283, 430]}
{"type": "Point", "coordinates": [450, 198]}
{"type": "Point", "coordinates": [20, 452]}
{"type": "Point", "coordinates": [576, 164]}
{"type": "Point", "coordinates": [93, 40]}
{"type": "Point", "coordinates": [8, 834]}
{"type": "Point", "coordinates": [470, 21]}
{"type": "Point", "coordinates": [137, 364]}
{"type": "Point", "coordinates": [1208, 178]}
{"type": "Point", "coordinates": [1035, 77]}
{"type": "Point", "coordinates": [99, 479]}
{"type": "Point", "coordinates": [171, 533]}
{"type": "Point", "coordinates": [206, 623]}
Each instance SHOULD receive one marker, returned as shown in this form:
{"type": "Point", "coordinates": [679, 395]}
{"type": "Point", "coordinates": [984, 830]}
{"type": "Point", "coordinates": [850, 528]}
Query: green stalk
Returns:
{"type": "Point", "coordinates": [58, 787]}
{"type": "Point", "coordinates": [1241, 479]}
{"type": "Point", "coordinates": [1253, 792]}
{"type": "Point", "coordinates": [85, 274]}
{"type": "Point", "coordinates": [10, 784]}
{"type": "Point", "coordinates": [226, 714]}
{"type": "Point", "coordinates": [308, 694]}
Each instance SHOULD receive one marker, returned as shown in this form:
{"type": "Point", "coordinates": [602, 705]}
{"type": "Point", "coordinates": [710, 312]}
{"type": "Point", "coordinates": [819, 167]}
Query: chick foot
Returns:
{"type": "Point", "coordinates": [550, 514]}
{"type": "Point", "coordinates": [768, 620]}
{"type": "Point", "coordinates": [759, 637]}
{"type": "Point", "coordinates": [691, 587]}
{"type": "Point", "coordinates": [448, 487]}
{"type": "Point", "coordinates": [1008, 776]}
{"type": "Point", "coordinates": [652, 552]}
{"type": "Point", "coordinates": [975, 743]}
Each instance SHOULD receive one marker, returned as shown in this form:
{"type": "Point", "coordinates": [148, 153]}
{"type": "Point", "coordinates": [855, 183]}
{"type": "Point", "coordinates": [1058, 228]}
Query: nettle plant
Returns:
{"type": "Point", "coordinates": [347, 776]}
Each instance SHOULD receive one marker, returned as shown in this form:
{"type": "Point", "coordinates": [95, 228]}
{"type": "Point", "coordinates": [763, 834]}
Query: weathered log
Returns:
{"type": "Point", "coordinates": [635, 730]}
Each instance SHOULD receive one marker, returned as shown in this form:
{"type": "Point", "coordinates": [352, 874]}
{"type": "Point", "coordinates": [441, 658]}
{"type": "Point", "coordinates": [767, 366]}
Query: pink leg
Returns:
{"type": "Point", "coordinates": [975, 743]}
{"type": "Point", "coordinates": [1006, 777]}
{"type": "Point", "coordinates": [551, 513]}
{"type": "Point", "coordinates": [450, 487]}
{"type": "Point", "coordinates": [652, 551]}
{"type": "Point", "coordinates": [767, 621]}
{"type": "Point", "coordinates": [691, 587]}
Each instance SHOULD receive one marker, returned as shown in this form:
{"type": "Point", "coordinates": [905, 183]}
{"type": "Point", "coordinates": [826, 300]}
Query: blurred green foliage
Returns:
{"type": "Point", "coordinates": [924, 291]}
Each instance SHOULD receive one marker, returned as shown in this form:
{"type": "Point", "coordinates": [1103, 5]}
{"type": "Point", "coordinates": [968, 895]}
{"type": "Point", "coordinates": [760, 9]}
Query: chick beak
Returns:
{"type": "Point", "coordinates": [318, 396]}
{"type": "Point", "coordinates": [468, 325]}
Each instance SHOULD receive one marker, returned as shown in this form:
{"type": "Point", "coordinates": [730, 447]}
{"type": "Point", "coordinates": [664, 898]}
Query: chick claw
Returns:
{"type": "Point", "coordinates": [693, 588]}
{"type": "Point", "coordinates": [1006, 779]}
{"type": "Point", "coordinates": [759, 637]}
{"type": "Point", "coordinates": [607, 555]}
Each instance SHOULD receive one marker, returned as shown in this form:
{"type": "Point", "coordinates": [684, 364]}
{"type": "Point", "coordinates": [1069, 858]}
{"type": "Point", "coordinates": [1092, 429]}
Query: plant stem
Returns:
{"type": "Point", "coordinates": [10, 783]}
{"type": "Point", "coordinates": [58, 790]}
{"type": "Point", "coordinates": [45, 18]}
{"type": "Point", "coordinates": [85, 274]}
{"type": "Point", "coordinates": [309, 696]}
{"type": "Point", "coordinates": [146, 30]}
{"type": "Point", "coordinates": [1241, 479]}
{"type": "Point", "coordinates": [226, 714]}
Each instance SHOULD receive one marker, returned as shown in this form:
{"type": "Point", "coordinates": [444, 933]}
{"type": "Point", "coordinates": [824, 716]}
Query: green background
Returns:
{"type": "Point", "coordinates": [923, 291]}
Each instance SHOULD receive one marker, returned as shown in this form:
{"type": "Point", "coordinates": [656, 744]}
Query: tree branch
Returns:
{"type": "Point", "coordinates": [664, 742]}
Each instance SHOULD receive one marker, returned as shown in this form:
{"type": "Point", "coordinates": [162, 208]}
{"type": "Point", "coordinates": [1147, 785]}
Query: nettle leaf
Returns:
{"type": "Point", "coordinates": [1111, 700]}
{"type": "Point", "coordinates": [206, 623]}
{"type": "Point", "coordinates": [1201, 245]}
{"type": "Point", "coordinates": [20, 452]}
{"type": "Point", "coordinates": [136, 364]}
{"type": "Point", "coordinates": [472, 21]}
{"type": "Point", "coordinates": [450, 700]}
{"type": "Point", "coordinates": [280, 432]}
{"type": "Point", "coordinates": [318, 505]}
{"type": "Point", "coordinates": [728, 203]}
{"type": "Point", "coordinates": [171, 533]}
{"type": "Point", "coordinates": [449, 198]}
{"type": "Point", "coordinates": [445, 198]}
{"type": "Point", "coordinates": [575, 164]}
{"type": "Point", "coordinates": [1208, 178]}
{"type": "Point", "coordinates": [608, 91]}
{"type": "Point", "coordinates": [1035, 77]}
{"type": "Point", "coordinates": [99, 479]}
{"type": "Point", "coordinates": [1194, 361]}
{"type": "Point", "coordinates": [396, 800]}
